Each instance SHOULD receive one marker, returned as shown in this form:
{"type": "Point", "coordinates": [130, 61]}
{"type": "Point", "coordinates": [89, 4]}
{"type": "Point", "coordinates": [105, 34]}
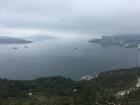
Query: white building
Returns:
{"type": "Point", "coordinates": [87, 78]}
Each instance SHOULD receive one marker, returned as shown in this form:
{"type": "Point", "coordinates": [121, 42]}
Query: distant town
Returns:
{"type": "Point", "coordinates": [127, 41]}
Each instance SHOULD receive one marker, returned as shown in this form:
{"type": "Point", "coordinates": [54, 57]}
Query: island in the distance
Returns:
{"type": "Point", "coordinates": [11, 40]}
{"type": "Point", "coordinates": [128, 41]}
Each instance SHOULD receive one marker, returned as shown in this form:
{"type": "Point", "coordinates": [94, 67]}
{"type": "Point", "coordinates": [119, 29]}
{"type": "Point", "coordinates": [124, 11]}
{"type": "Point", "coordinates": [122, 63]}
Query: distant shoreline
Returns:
{"type": "Point", "coordinates": [126, 41]}
{"type": "Point", "coordinates": [133, 69]}
{"type": "Point", "coordinates": [9, 40]}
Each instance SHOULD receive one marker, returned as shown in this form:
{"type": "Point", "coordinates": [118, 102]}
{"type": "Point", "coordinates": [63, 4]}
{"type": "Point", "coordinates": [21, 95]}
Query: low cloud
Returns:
{"type": "Point", "coordinates": [79, 17]}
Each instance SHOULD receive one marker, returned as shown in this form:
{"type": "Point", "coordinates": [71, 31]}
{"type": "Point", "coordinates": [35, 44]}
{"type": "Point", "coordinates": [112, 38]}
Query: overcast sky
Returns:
{"type": "Point", "coordinates": [69, 17]}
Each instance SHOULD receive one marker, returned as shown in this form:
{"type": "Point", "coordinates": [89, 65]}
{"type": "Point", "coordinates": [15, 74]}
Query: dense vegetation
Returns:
{"type": "Point", "coordinates": [63, 91]}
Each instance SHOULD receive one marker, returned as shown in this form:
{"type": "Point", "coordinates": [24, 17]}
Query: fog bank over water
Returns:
{"type": "Point", "coordinates": [25, 33]}
{"type": "Point", "coordinates": [69, 17]}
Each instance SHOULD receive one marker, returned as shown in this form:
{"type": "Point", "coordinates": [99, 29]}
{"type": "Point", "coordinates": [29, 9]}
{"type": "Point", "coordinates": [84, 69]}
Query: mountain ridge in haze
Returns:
{"type": "Point", "coordinates": [40, 37]}
{"type": "Point", "coordinates": [13, 40]}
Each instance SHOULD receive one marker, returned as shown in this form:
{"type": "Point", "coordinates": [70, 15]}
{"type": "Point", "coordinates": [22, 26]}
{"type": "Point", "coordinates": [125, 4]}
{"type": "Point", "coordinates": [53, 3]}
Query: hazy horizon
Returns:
{"type": "Point", "coordinates": [65, 18]}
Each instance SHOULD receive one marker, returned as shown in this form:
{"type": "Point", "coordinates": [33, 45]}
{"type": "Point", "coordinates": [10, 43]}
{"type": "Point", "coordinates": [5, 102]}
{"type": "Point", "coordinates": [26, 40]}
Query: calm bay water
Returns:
{"type": "Point", "coordinates": [58, 57]}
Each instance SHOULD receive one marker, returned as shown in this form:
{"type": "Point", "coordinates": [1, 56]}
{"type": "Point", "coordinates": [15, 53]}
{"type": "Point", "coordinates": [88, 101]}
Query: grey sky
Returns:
{"type": "Point", "coordinates": [78, 17]}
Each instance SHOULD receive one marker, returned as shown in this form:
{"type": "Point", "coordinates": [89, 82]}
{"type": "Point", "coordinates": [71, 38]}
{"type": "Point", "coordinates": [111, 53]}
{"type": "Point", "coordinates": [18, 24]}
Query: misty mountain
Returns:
{"type": "Point", "coordinates": [11, 40]}
{"type": "Point", "coordinates": [40, 37]}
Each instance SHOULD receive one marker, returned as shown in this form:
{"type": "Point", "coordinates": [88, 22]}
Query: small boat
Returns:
{"type": "Point", "coordinates": [15, 47]}
{"type": "Point", "coordinates": [26, 46]}
{"type": "Point", "coordinates": [75, 48]}
{"type": "Point", "coordinates": [88, 50]}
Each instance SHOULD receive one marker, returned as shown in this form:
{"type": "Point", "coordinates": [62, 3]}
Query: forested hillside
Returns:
{"type": "Point", "coordinates": [102, 90]}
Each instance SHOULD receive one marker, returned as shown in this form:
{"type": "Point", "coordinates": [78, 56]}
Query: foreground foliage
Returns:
{"type": "Point", "coordinates": [62, 91]}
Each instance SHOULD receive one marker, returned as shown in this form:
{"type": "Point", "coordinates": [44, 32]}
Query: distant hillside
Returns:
{"type": "Point", "coordinates": [9, 40]}
{"type": "Point", "coordinates": [119, 78]}
{"type": "Point", "coordinates": [102, 90]}
{"type": "Point", "coordinates": [127, 41]}
{"type": "Point", "coordinates": [40, 37]}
